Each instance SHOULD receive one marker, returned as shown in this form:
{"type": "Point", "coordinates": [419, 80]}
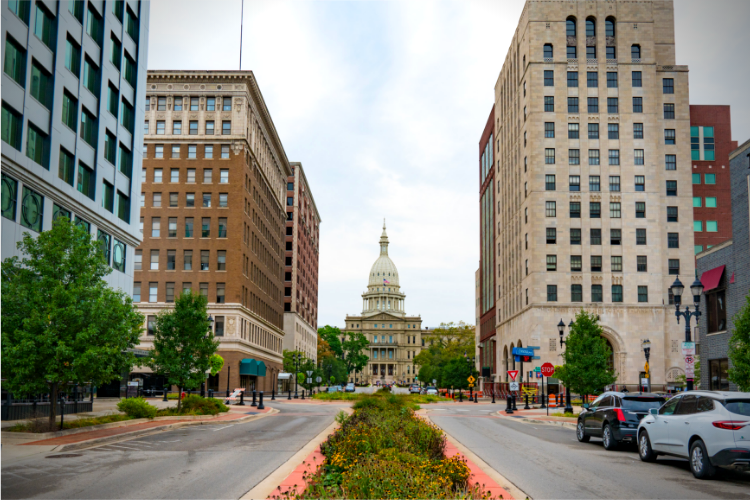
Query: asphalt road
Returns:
{"type": "Point", "coordinates": [205, 461]}
{"type": "Point", "coordinates": [548, 462]}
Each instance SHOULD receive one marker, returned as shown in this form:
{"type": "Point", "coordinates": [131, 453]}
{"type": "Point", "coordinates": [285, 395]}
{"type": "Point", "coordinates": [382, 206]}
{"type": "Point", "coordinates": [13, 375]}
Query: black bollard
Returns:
{"type": "Point", "coordinates": [242, 398]}
{"type": "Point", "coordinates": [509, 404]}
{"type": "Point", "coordinates": [493, 395]}
{"type": "Point", "coordinates": [260, 403]}
{"type": "Point", "coordinates": [515, 406]}
{"type": "Point", "coordinates": [166, 392]}
{"type": "Point", "coordinates": [254, 396]}
{"type": "Point", "coordinates": [303, 393]}
{"type": "Point", "coordinates": [475, 398]}
{"type": "Point", "coordinates": [273, 394]}
{"type": "Point", "coordinates": [290, 393]}
{"type": "Point", "coordinates": [543, 398]}
{"type": "Point", "coordinates": [211, 393]}
{"type": "Point", "coordinates": [460, 396]}
{"type": "Point", "coordinates": [203, 389]}
{"type": "Point", "coordinates": [526, 397]}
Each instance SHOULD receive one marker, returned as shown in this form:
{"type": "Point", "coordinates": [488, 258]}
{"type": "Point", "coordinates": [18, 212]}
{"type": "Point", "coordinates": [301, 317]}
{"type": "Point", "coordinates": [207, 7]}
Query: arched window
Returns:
{"type": "Point", "coordinates": [609, 26]}
{"type": "Point", "coordinates": [548, 51]}
{"type": "Point", "coordinates": [635, 52]}
{"type": "Point", "coordinates": [590, 26]}
{"type": "Point", "coordinates": [570, 26]}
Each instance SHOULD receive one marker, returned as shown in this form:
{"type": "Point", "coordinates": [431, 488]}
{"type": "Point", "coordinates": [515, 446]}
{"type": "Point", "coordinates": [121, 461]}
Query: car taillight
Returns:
{"type": "Point", "coordinates": [730, 425]}
{"type": "Point", "coordinates": [620, 415]}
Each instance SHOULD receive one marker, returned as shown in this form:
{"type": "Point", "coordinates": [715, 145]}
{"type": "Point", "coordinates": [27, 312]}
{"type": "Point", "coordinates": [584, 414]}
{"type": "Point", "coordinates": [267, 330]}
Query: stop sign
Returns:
{"type": "Point", "coordinates": [548, 369]}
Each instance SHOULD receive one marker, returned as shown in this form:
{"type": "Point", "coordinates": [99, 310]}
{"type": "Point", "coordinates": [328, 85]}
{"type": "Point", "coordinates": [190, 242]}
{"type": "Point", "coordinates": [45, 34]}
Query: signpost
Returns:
{"type": "Point", "coordinates": [547, 370]}
{"type": "Point", "coordinates": [513, 374]}
{"type": "Point", "coordinates": [688, 350]}
{"type": "Point", "coordinates": [514, 386]}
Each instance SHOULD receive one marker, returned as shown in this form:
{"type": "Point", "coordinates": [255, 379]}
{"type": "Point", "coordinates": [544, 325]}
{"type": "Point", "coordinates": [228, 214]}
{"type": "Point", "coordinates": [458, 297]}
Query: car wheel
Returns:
{"type": "Point", "coordinates": [700, 465]}
{"type": "Point", "coordinates": [581, 433]}
{"type": "Point", "coordinates": [608, 439]}
{"type": "Point", "coordinates": [644, 448]}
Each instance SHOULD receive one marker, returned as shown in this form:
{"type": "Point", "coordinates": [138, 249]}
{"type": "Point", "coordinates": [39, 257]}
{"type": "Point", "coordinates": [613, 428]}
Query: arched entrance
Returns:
{"type": "Point", "coordinates": [617, 358]}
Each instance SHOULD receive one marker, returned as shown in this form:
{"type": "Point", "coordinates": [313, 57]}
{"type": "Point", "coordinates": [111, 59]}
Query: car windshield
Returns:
{"type": "Point", "coordinates": [431, 389]}
{"type": "Point", "coordinates": [738, 406]}
{"type": "Point", "coordinates": [641, 404]}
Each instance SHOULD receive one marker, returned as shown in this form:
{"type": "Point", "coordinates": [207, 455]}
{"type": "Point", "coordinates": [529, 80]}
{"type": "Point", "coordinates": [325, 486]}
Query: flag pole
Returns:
{"type": "Point", "coordinates": [242, 18]}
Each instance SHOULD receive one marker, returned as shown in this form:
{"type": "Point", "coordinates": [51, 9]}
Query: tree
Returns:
{"type": "Point", "coordinates": [183, 344]}
{"type": "Point", "coordinates": [353, 347]}
{"type": "Point", "coordinates": [289, 365]}
{"type": "Point", "coordinates": [324, 349]}
{"type": "Point", "coordinates": [456, 373]}
{"type": "Point", "coordinates": [61, 322]}
{"type": "Point", "coordinates": [335, 369]}
{"type": "Point", "coordinates": [333, 337]}
{"type": "Point", "coordinates": [586, 357]}
{"type": "Point", "coordinates": [739, 348]}
{"type": "Point", "coordinates": [447, 342]}
{"type": "Point", "coordinates": [216, 363]}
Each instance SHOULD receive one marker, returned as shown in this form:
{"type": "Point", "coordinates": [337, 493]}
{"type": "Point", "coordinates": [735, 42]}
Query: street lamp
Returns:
{"type": "Point", "coordinates": [297, 358]}
{"type": "Point", "coordinates": [561, 329]}
{"type": "Point", "coordinates": [471, 372]}
{"type": "Point", "coordinates": [696, 289]}
{"type": "Point", "coordinates": [646, 344]}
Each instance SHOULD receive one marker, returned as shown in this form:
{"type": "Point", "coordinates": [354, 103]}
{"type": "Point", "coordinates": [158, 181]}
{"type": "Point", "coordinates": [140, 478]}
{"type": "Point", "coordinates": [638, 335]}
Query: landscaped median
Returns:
{"type": "Point", "coordinates": [419, 399]}
{"type": "Point", "coordinates": [384, 450]}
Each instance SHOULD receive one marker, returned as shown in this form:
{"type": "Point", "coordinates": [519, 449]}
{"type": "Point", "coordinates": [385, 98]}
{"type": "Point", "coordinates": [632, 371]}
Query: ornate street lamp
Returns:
{"type": "Point", "coordinates": [696, 289]}
{"type": "Point", "coordinates": [561, 329]}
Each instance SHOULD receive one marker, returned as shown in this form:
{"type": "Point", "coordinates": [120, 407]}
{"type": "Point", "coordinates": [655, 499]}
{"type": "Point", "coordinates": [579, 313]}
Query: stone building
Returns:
{"type": "Point", "coordinates": [592, 131]}
{"type": "Point", "coordinates": [301, 266]}
{"type": "Point", "coordinates": [213, 217]}
{"type": "Point", "coordinates": [725, 273]}
{"type": "Point", "coordinates": [395, 337]}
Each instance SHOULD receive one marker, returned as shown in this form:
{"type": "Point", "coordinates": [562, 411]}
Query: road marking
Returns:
{"type": "Point", "coordinates": [123, 447]}
{"type": "Point", "coordinates": [220, 428]}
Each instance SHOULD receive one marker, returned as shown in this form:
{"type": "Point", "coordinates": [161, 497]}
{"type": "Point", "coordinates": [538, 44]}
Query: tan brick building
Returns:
{"type": "Point", "coordinates": [212, 215]}
{"type": "Point", "coordinates": [302, 251]}
{"type": "Point", "coordinates": [594, 211]}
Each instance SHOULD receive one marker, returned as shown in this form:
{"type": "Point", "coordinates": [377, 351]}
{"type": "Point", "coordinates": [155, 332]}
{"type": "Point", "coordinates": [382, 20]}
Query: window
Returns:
{"type": "Point", "coordinates": [640, 210]}
{"type": "Point", "coordinates": [575, 209]}
{"type": "Point", "coordinates": [226, 128]}
{"type": "Point", "coordinates": [152, 297]}
{"type": "Point", "coordinates": [637, 75]}
{"type": "Point", "coordinates": [614, 183]}
{"type": "Point", "coordinates": [669, 136]}
{"type": "Point", "coordinates": [177, 104]}
{"type": "Point", "coordinates": [191, 176]}
{"type": "Point", "coordinates": [225, 150]}
{"type": "Point", "coordinates": [698, 248]}
{"type": "Point", "coordinates": [710, 178]}
{"type": "Point", "coordinates": [193, 124]}
{"type": "Point", "coordinates": [70, 111]}
{"type": "Point", "coordinates": [596, 236]}
{"type": "Point", "coordinates": [175, 150]}
{"type": "Point", "coordinates": [155, 227]}
{"type": "Point", "coordinates": [611, 77]}
{"type": "Point", "coordinates": [576, 293]}
{"type": "Point", "coordinates": [669, 111]}
{"type": "Point", "coordinates": [91, 76]}
{"type": "Point", "coordinates": [710, 202]}
{"type": "Point", "coordinates": [32, 205]}
{"type": "Point", "coordinates": [549, 156]}
{"type": "Point", "coordinates": [172, 227]}
{"type": "Point", "coordinates": [594, 183]}
{"type": "Point", "coordinates": [575, 236]}
{"type": "Point", "coordinates": [572, 52]}
{"type": "Point", "coordinates": [591, 53]}
{"type": "Point", "coordinates": [221, 260]}
{"type": "Point", "coordinates": [37, 146]}
{"type": "Point", "coordinates": [549, 76]}
{"type": "Point", "coordinates": [136, 289]}
{"type": "Point", "coordinates": [673, 240]}
{"type": "Point", "coordinates": [206, 200]}
{"type": "Point", "coordinates": [712, 226]}
{"type": "Point", "coordinates": [223, 200]}
{"type": "Point", "coordinates": [613, 105]}
{"type": "Point", "coordinates": [596, 293]}
{"type": "Point", "coordinates": [110, 147]}
{"type": "Point", "coordinates": [551, 236]}
{"type": "Point", "coordinates": [614, 156]}
{"type": "Point", "coordinates": [595, 209]}
{"type": "Point", "coordinates": [72, 54]}
{"type": "Point", "coordinates": [211, 104]}
{"type": "Point", "coordinates": [219, 326]}
{"type": "Point", "coordinates": [576, 263]}
{"type": "Point", "coordinates": [131, 71]}
{"type": "Point", "coordinates": [177, 128]}
{"type": "Point", "coordinates": [85, 180]}
{"type": "Point", "coordinates": [552, 263]}
{"type": "Point", "coordinates": [227, 104]}
{"type": "Point", "coordinates": [154, 260]}
{"type": "Point", "coordinates": [570, 26]}
{"type": "Point", "coordinates": [674, 266]}
{"type": "Point", "coordinates": [41, 85]}
{"type": "Point", "coordinates": [551, 293]}
{"type": "Point", "coordinates": [210, 127]}
{"type": "Point", "coordinates": [573, 129]}
{"type": "Point", "coordinates": [206, 227]}
{"type": "Point", "coordinates": [171, 259]}
{"type": "Point", "coordinates": [549, 183]}
{"type": "Point", "coordinates": [716, 311]}
{"type": "Point", "coordinates": [94, 25]}
{"type": "Point", "coordinates": [640, 236]}
{"type": "Point", "coordinates": [192, 150]}
{"type": "Point", "coordinates": [615, 236]}
{"type": "Point", "coordinates": [108, 196]}
{"type": "Point", "coordinates": [188, 227]}
{"type": "Point", "coordinates": [66, 167]}
{"type": "Point", "coordinates": [203, 289]}
{"type": "Point", "coordinates": [547, 55]}
{"type": "Point", "coordinates": [205, 256]}
{"type": "Point", "coordinates": [224, 176]}
{"type": "Point", "coordinates": [573, 105]}
{"type": "Point", "coordinates": [574, 183]}
{"type": "Point", "coordinates": [187, 260]}
{"type": "Point", "coordinates": [574, 157]}
{"type": "Point", "coordinates": [592, 104]}
{"type": "Point", "coordinates": [592, 79]}
{"type": "Point", "coordinates": [593, 130]}
{"type": "Point", "coordinates": [616, 293]}
{"type": "Point", "coordinates": [549, 103]}
{"type": "Point", "coordinates": [194, 104]}
{"type": "Point", "coordinates": [616, 264]}
{"type": "Point", "coordinates": [115, 55]}
{"type": "Point", "coordinates": [222, 227]}
{"type": "Point", "coordinates": [549, 130]}
{"type": "Point", "coordinates": [671, 188]}
{"type": "Point", "coordinates": [158, 153]}
{"type": "Point", "coordinates": [550, 209]}
{"type": "Point", "coordinates": [640, 183]}
{"type": "Point", "coordinates": [613, 131]}
{"type": "Point", "coordinates": [44, 26]}
{"type": "Point", "coordinates": [642, 263]}
{"type": "Point", "coordinates": [190, 200]}
{"type": "Point", "coordinates": [21, 9]}
{"type": "Point", "coordinates": [208, 151]}
{"type": "Point", "coordinates": [668, 85]}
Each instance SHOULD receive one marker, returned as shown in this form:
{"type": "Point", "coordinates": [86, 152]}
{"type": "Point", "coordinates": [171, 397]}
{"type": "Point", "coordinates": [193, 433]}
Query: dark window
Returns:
{"type": "Point", "coordinates": [615, 236]}
{"type": "Point", "coordinates": [549, 156]}
{"type": "Point", "coordinates": [611, 78]}
{"type": "Point", "coordinates": [593, 130]}
{"type": "Point", "coordinates": [594, 183]}
{"type": "Point", "coordinates": [609, 27]}
{"type": "Point", "coordinates": [575, 236]}
{"type": "Point", "coordinates": [616, 293]}
{"type": "Point", "coordinates": [614, 156]}
{"type": "Point", "coordinates": [596, 236]}
{"type": "Point", "coordinates": [590, 27]}
{"type": "Point", "coordinates": [572, 78]}
{"type": "Point", "coordinates": [551, 236]}
{"type": "Point", "coordinates": [671, 162]}
{"type": "Point", "coordinates": [547, 54]}
{"type": "Point", "coordinates": [638, 158]}
{"type": "Point", "coordinates": [642, 263]}
{"type": "Point", "coordinates": [671, 188]}
{"type": "Point", "coordinates": [549, 103]}
{"type": "Point", "coordinates": [592, 79]}
{"type": "Point", "coordinates": [613, 131]}
{"type": "Point", "coordinates": [573, 131]}
{"type": "Point", "coordinates": [613, 105]}
{"type": "Point", "coordinates": [593, 157]}
{"type": "Point", "coordinates": [575, 209]}
{"type": "Point", "coordinates": [549, 182]}
{"type": "Point", "coordinates": [668, 85]}
{"type": "Point", "coordinates": [673, 240]}
{"type": "Point", "coordinates": [591, 52]}
{"type": "Point", "coordinates": [576, 263]}
{"type": "Point", "coordinates": [674, 266]}
{"type": "Point", "coordinates": [572, 52]}
{"type": "Point", "coordinates": [576, 293]}
{"type": "Point", "coordinates": [551, 293]}
{"type": "Point", "coordinates": [572, 105]}
{"type": "Point", "coordinates": [611, 53]}
{"type": "Point", "coordinates": [669, 136]}
{"type": "Point", "coordinates": [574, 157]}
{"type": "Point", "coordinates": [640, 209]}
{"type": "Point", "coordinates": [637, 79]}
{"type": "Point", "coordinates": [637, 131]}
{"type": "Point", "coordinates": [637, 104]}
{"type": "Point", "coordinates": [596, 292]}
{"type": "Point", "coordinates": [550, 209]}
{"type": "Point", "coordinates": [671, 214]}
{"type": "Point", "coordinates": [640, 236]}
{"type": "Point", "coordinates": [595, 210]}
{"type": "Point", "coordinates": [593, 104]}
{"type": "Point", "coordinates": [669, 111]}
{"type": "Point", "coordinates": [549, 78]}
{"type": "Point", "coordinates": [614, 183]}
{"type": "Point", "coordinates": [715, 307]}
{"type": "Point", "coordinates": [570, 26]}
{"type": "Point", "coordinates": [552, 263]}
{"type": "Point", "coordinates": [719, 369]}
{"type": "Point", "coordinates": [549, 130]}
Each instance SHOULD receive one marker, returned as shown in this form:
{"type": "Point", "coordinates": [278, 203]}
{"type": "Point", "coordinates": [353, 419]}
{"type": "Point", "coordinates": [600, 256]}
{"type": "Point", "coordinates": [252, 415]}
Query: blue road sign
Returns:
{"type": "Point", "coordinates": [523, 351]}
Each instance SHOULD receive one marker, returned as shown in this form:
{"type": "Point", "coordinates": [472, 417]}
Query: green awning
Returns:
{"type": "Point", "coordinates": [250, 366]}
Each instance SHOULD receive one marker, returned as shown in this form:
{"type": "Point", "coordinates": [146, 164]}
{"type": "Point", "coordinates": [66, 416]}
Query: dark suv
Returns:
{"type": "Point", "coordinates": [614, 416]}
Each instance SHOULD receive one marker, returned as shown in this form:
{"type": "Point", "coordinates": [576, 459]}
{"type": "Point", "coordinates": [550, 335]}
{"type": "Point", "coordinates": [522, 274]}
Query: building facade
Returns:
{"type": "Point", "coordinates": [395, 337]}
{"type": "Point", "coordinates": [301, 266]}
{"type": "Point", "coordinates": [213, 217]}
{"type": "Point", "coordinates": [73, 85]}
{"type": "Point", "coordinates": [710, 145]}
{"type": "Point", "coordinates": [725, 274]}
{"type": "Point", "coordinates": [592, 131]}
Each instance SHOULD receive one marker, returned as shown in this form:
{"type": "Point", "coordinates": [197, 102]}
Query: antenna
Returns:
{"type": "Point", "coordinates": [242, 18]}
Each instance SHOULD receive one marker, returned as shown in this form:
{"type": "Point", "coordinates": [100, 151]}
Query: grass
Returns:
{"type": "Point", "coordinates": [351, 396]}
{"type": "Point", "coordinates": [41, 425]}
{"type": "Point", "coordinates": [561, 414]}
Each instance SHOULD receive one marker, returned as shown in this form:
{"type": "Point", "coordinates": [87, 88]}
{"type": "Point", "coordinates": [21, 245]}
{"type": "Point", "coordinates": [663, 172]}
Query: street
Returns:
{"type": "Point", "coordinates": [547, 461]}
{"type": "Point", "coordinates": [205, 461]}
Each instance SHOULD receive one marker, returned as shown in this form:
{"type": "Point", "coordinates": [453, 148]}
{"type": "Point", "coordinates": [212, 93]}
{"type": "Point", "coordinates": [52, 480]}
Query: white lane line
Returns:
{"type": "Point", "coordinates": [220, 428]}
{"type": "Point", "coordinates": [124, 447]}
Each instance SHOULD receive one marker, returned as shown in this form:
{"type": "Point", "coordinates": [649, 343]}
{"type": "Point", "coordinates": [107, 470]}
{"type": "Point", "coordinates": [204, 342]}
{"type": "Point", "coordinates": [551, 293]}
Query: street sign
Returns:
{"type": "Point", "coordinates": [514, 386]}
{"type": "Point", "coordinates": [309, 381]}
{"type": "Point", "coordinates": [538, 374]}
{"type": "Point", "coordinates": [309, 373]}
{"type": "Point", "coordinates": [318, 379]}
{"type": "Point", "coordinates": [513, 374]}
{"type": "Point", "coordinates": [689, 360]}
{"type": "Point", "coordinates": [471, 385]}
{"type": "Point", "coordinates": [644, 381]}
{"type": "Point", "coordinates": [688, 348]}
{"type": "Point", "coordinates": [523, 351]}
{"type": "Point", "coordinates": [537, 368]}
{"type": "Point", "coordinates": [645, 368]}
{"type": "Point", "coordinates": [548, 369]}
{"type": "Point", "coordinates": [689, 372]}
{"type": "Point", "coordinates": [471, 379]}
{"type": "Point", "coordinates": [434, 381]}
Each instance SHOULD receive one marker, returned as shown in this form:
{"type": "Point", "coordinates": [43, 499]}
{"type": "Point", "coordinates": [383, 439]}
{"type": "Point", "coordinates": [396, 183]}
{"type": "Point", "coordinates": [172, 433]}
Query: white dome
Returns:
{"type": "Point", "coordinates": [383, 268]}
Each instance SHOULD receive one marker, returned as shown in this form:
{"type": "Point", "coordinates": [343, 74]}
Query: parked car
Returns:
{"type": "Point", "coordinates": [431, 391]}
{"type": "Point", "coordinates": [709, 428]}
{"type": "Point", "coordinates": [349, 387]}
{"type": "Point", "coordinates": [415, 389]}
{"type": "Point", "coordinates": [614, 417]}
{"type": "Point", "coordinates": [334, 388]}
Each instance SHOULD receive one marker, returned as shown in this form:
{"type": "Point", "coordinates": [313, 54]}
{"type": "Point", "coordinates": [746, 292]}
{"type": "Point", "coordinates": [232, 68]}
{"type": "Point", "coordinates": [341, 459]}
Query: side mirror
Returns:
{"type": "Point", "coordinates": [586, 406]}
{"type": "Point", "coordinates": [653, 411]}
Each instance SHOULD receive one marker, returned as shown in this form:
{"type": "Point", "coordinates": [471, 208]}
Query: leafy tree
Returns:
{"type": "Point", "coordinates": [739, 348]}
{"type": "Point", "coordinates": [289, 365]}
{"type": "Point", "coordinates": [586, 357]}
{"type": "Point", "coordinates": [456, 373]}
{"type": "Point", "coordinates": [353, 347]}
{"type": "Point", "coordinates": [334, 369]}
{"type": "Point", "coordinates": [446, 343]}
{"type": "Point", "coordinates": [61, 322]}
{"type": "Point", "coordinates": [216, 362]}
{"type": "Point", "coordinates": [183, 344]}
{"type": "Point", "coordinates": [324, 349]}
{"type": "Point", "coordinates": [333, 337]}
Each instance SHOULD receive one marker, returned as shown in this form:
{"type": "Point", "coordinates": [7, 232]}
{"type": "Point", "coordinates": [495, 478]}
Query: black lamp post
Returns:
{"type": "Point", "coordinates": [696, 289]}
{"type": "Point", "coordinates": [470, 361]}
{"type": "Point", "coordinates": [646, 344]}
{"type": "Point", "coordinates": [297, 357]}
{"type": "Point", "coordinates": [561, 329]}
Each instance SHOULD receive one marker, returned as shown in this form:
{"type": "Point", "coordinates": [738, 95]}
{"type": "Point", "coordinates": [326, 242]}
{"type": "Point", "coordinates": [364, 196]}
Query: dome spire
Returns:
{"type": "Point", "coordinates": [384, 241]}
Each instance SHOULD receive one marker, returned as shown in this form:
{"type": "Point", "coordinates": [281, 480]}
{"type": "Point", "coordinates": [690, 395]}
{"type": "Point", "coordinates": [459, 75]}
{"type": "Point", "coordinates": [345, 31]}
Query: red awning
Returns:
{"type": "Point", "coordinates": [710, 279]}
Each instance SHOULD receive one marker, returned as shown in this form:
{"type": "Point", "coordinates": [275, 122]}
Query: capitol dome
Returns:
{"type": "Point", "coordinates": [383, 268]}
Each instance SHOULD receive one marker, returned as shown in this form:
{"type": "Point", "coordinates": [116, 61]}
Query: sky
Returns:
{"type": "Point", "coordinates": [384, 103]}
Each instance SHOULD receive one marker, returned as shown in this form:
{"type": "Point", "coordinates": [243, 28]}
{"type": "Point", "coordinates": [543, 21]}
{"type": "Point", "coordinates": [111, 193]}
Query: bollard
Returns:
{"type": "Point", "coordinates": [460, 396]}
{"type": "Point", "coordinates": [260, 403]}
{"type": "Point", "coordinates": [166, 391]}
{"type": "Point", "coordinates": [303, 393]}
{"type": "Point", "coordinates": [254, 403]}
{"type": "Point", "coordinates": [475, 398]}
{"type": "Point", "coordinates": [509, 404]}
{"type": "Point", "coordinates": [203, 389]}
{"type": "Point", "coordinates": [273, 394]}
{"type": "Point", "coordinates": [227, 392]}
{"type": "Point", "coordinates": [290, 393]}
{"type": "Point", "coordinates": [543, 398]}
{"type": "Point", "coordinates": [242, 398]}
{"type": "Point", "coordinates": [62, 411]}
{"type": "Point", "coordinates": [493, 395]}
{"type": "Point", "coordinates": [527, 402]}
{"type": "Point", "coordinates": [211, 393]}
{"type": "Point", "coordinates": [515, 406]}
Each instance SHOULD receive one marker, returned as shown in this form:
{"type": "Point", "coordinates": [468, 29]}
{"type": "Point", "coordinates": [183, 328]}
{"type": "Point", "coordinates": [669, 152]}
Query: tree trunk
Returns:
{"type": "Point", "coordinates": [52, 405]}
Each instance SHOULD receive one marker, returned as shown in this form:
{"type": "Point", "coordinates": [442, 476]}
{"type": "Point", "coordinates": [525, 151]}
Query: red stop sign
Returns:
{"type": "Point", "coordinates": [548, 369]}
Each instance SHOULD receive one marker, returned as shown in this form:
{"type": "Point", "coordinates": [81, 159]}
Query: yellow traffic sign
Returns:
{"type": "Point", "coordinates": [471, 379]}
{"type": "Point", "coordinates": [645, 368]}
{"type": "Point", "coordinates": [471, 385]}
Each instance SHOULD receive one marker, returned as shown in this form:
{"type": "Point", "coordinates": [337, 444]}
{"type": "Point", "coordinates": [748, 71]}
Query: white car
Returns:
{"type": "Point", "coordinates": [709, 428]}
{"type": "Point", "coordinates": [431, 391]}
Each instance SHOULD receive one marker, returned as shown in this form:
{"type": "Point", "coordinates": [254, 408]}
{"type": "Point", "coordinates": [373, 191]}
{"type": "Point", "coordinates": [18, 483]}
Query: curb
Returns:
{"type": "Point", "coordinates": [549, 422]}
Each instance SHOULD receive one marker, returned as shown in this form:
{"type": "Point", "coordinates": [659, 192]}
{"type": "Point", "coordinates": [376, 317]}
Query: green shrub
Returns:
{"type": "Point", "coordinates": [203, 406]}
{"type": "Point", "coordinates": [137, 408]}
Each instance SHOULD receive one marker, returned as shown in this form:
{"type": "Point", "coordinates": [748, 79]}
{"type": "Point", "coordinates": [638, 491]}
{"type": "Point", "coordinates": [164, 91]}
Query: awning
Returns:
{"type": "Point", "coordinates": [250, 366]}
{"type": "Point", "coordinates": [285, 376]}
{"type": "Point", "coordinates": [710, 279]}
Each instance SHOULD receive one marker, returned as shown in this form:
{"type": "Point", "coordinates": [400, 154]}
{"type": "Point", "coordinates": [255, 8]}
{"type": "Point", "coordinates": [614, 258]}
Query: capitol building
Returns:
{"type": "Point", "coordinates": [395, 337]}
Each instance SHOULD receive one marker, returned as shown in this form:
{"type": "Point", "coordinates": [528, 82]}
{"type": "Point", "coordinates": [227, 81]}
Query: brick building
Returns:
{"type": "Point", "coordinates": [301, 263]}
{"type": "Point", "coordinates": [213, 217]}
{"type": "Point", "coordinates": [725, 273]}
{"type": "Point", "coordinates": [710, 145]}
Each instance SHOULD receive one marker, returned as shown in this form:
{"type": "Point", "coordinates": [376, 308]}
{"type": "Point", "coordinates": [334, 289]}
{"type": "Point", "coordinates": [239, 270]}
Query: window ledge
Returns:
{"type": "Point", "coordinates": [717, 333]}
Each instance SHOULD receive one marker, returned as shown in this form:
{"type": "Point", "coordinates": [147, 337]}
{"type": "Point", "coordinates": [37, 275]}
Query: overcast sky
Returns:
{"type": "Point", "coordinates": [384, 103]}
